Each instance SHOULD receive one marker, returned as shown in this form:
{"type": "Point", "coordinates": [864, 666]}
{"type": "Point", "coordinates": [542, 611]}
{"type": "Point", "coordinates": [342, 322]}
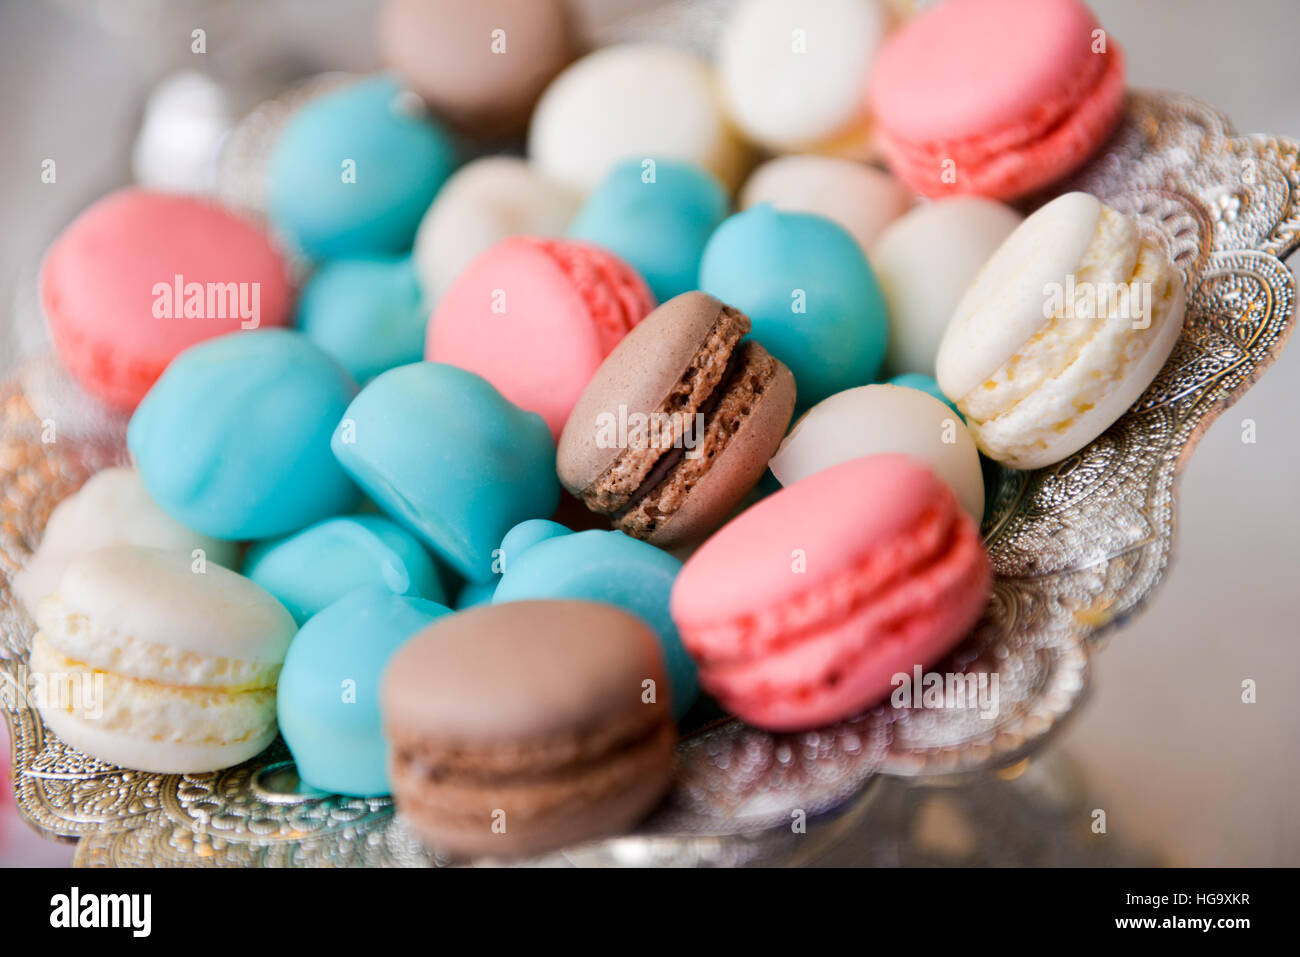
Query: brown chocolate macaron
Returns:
{"type": "Point", "coordinates": [479, 64]}
{"type": "Point", "coordinates": [678, 423]}
{"type": "Point", "coordinates": [525, 726]}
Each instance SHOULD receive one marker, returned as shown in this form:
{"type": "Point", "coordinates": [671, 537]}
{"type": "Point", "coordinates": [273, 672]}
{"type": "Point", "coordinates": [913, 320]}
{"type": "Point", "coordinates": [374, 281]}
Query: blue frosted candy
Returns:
{"type": "Point", "coordinates": [656, 217]}
{"type": "Point", "coordinates": [446, 455]}
{"type": "Point", "coordinates": [327, 701]}
{"type": "Point", "coordinates": [806, 286]}
{"type": "Point", "coordinates": [367, 313]}
{"type": "Point", "coordinates": [322, 563]}
{"type": "Point", "coordinates": [234, 439]}
{"type": "Point", "coordinates": [354, 170]}
{"type": "Point", "coordinates": [608, 567]}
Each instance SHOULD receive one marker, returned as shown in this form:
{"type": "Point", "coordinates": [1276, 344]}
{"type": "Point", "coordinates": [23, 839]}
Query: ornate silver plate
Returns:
{"type": "Point", "coordinates": [1077, 548]}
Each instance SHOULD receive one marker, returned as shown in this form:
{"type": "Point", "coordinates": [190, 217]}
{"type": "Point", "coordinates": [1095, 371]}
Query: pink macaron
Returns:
{"type": "Point", "coordinates": [141, 276]}
{"type": "Point", "coordinates": [535, 317]}
{"type": "Point", "coordinates": [802, 610]}
{"type": "Point", "coordinates": [996, 97]}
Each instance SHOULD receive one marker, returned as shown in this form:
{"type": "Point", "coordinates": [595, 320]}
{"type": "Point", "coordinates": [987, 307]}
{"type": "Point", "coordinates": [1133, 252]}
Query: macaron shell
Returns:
{"type": "Point", "coordinates": [934, 79]}
{"type": "Point", "coordinates": [480, 65]}
{"type": "Point", "coordinates": [790, 95]}
{"type": "Point", "coordinates": [602, 110]}
{"type": "Point", "coordinates": [485, 201]}
{"type": "Point", "coordinates": [638, 376]}
{"type": "Point", "coordinates": [111, 508]}
{"type": "Point", "coordinates": [104, 278]}
{"type": "Point", "coordinates": [517, 317]}
{"type": "Point", "coordinates": [874, 419]}
{"type": "Point", "coordinates": [922, 288]}
{"type": "Point", "coordinates": [861, 199]}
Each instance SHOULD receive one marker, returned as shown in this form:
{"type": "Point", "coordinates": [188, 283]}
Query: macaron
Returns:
{"type": "Point", "coordinates": [632, 101]}
{"type": "Point", "coordinates": [922, 287]}
{"type": "Point", "coordinates": [678, 423]}
{"type": "Point", "coordinates": [875, 419]}
{"type": "Point", "coordinates": [327, 701]}
{"type": "Point", "coordinates": [234, 440]}
{"type": "Point", "coordinates": [155, 667]}
{"type": "Point", "coordinates": [800, 612]}
{"type": "Point", "coordinates": [794, 74]}
{"type": "Point", "coordinates": [809, 291]}
{"type": "Point", "coordinates": [142, 275]}
{"type": "Point", "coordinates": [860, 198]}
{"type": "Point", "coordinates": [112, 508]}
{"type": "Point", "coordinates": [481, 65]}
{"type": "Point", "coordinates": [484, 202]}
{"type": "Point", "coordinates": [546, 560]}
{"type": "Point", "coordinates": [449, 458]}
{"type": "Point", "coordinates": [367, 313]}
{"type": "Point", "coordinates": [1062, 330]}
{"type": "Point", "coordinates": [656, 215]}
{"type": "Point", "coordinates": [535, 317]}
{"type": "Point", "coordinates": [355, 168]}
{"type": "Point", "coordinates": [315, 567]}
{"type": "Point", "coordinates": [953, 119]}
{"type": "Point", "coordinates": [525, 726]}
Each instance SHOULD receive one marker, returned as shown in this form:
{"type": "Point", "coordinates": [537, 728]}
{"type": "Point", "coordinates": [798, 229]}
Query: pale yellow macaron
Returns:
{"type": "Point", "coordinates": [1062, 330]}
{"type": "Point", "coordinates": [151, 660]}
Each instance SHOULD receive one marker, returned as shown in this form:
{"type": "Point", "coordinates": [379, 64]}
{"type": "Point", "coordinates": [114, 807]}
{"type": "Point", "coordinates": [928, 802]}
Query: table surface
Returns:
{"type": "Point", "coordinates": [1166, 746]}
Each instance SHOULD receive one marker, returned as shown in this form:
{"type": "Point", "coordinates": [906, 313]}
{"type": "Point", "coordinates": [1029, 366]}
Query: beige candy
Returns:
{"type": "Point", "coordinates": [484, 202]}
{"type": "Point", "coordinates": [861, 198]}
{"type": "Point", "coordinates": [112, 508]}
{"type": "Point", "coordinates": [925, 261]}
{"type": "Point", "coordinates": [874, 419]}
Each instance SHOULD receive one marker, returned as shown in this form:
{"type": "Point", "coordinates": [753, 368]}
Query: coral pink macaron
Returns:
{"type": "Point", "coordinates": [802, 609]}
{"type": "Point", "coordinates": [535, 317]}
{"type": "Point", "coordinates": [996, 97]}
{"type": "Point", "coordinates": [141, 276]}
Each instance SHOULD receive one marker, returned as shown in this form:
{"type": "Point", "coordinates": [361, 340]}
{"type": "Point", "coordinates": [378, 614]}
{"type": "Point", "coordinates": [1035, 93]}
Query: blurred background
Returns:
{"type": "Point", "coordinates": [1186, 772]}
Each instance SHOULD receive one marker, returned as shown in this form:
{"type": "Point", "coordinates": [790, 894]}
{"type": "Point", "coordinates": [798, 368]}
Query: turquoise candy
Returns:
{"type": "Point", "coordinates": [805, 284]}
{"type": "Point", "coordinates": [327, 701]}
{"type": "Point", "coordinates": [322, 563]}
{"type": "Point", "coordinates": [354, 170]}
{"type": "Point", "coordinates": [926, 384]}
{"type": "Point", "coordinates": [475, 593]}
{"type": "Point", "coordinates": [234, 439]}
{"type": "Point", "coordinates": [446, 455]}
{"type": "Point", "coordinates": [367, 313]}
{"type": "Point", "coordinates": [656, 217]}
{"type": "Point", "coordinates": [608, 567]}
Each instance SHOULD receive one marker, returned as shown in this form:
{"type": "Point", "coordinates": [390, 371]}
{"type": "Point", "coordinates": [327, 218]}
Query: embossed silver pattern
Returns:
{"type": "Point", "coordinates": [1076, 548]}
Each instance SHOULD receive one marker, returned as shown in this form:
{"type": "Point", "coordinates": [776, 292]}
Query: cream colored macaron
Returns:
{"type": "Point", "coordinates": [1063, 329]}
{"type": "Point", "coordinates": [148, 660]}
{"type": "Point", "coordinates": [925, 262]}
{"type": "Point", "coordinates": [635, 100]}
{"type": "Point", "coordinates": [112, 508]}
{"type": "Point", "coordinates": [794, 74]}
{"type": "Point", "coordinates": [484, 202]}
{"type": "Point", "coordinates": [861, 198]}
{"type": "Point", "coordinates": [876, 419]}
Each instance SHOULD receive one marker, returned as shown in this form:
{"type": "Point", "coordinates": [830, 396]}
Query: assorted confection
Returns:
{"type": "Point", "coordinates": [479, 481]}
